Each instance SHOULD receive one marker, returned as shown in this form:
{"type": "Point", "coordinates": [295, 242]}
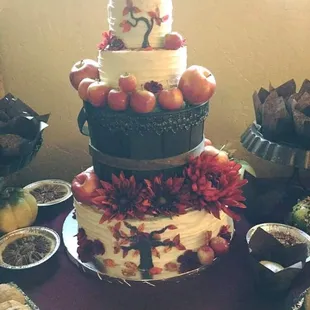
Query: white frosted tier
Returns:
{"type": "Point", "coordinates": [134, 38]}
{"type": "Point", "coordinates": [191, 227]}
{"type": "Point", "coordinates": [162, 66]}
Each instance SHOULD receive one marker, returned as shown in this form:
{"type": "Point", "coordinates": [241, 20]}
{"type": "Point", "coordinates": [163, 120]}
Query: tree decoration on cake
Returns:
{"type": "Point", "coordinates": [153, 86]}
{"type": "Point", "coordinates": [110, 42]}
{"type": "Point", "coordinates": [154, 18]}
{"type": "Point", "coordinates": [145, 244]}
{"type": "Point", "coordinates": [123, 198]}
{"type": "Point", "coordinates": [88, 249]}
{"type": "Point", "coordinates": [168, 197]}
{"type": "Point", "coordinates": [216, 186]}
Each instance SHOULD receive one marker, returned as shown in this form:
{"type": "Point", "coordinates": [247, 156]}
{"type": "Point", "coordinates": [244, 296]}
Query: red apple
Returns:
{"type": "Point", "coordinates": [83, 87]}
{"type": "Point", "coordinates": [84, 186]}
{"type": "Point", "coordinates": [221, 156]}
{"type": "Point", "coordinates": [118, 100]}
{"type": "Point", "coordinates": [205, 255]}
{"type": "Point", "coordinates": [173, 41]}
{"type": "Point", "coordinates": [127, 83]}
{"type": "Point", "coordinates": [207, 142]}
{"type": "Point", "coordinates": [86, 68]}
{"type": "Point", "coordinates": [219, 245]}
{"type": "Point", "coordinates": [171, 99]}
{"type": "Point", "coordinates": [98, 93]}
{"type": "Point", "coordinates": [197, 85]}
{"type": "Point", "coordinates": [142, 101]}
{"type": "Point", "coordinates": [211, 150]}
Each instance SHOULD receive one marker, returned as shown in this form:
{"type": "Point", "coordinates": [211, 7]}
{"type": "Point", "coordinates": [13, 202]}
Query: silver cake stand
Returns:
{"type": "Point", "coordinates": [69, 231]}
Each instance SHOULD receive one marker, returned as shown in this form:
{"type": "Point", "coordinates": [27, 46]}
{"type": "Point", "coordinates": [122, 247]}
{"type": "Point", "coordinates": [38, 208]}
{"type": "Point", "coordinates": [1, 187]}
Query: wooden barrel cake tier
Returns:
{"type": "Point", "coordinates": [143, 145]}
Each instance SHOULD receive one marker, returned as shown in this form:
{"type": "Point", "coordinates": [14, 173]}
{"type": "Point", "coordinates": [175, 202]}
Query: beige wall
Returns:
{"type": "Point", "coordinates": [246, 43]}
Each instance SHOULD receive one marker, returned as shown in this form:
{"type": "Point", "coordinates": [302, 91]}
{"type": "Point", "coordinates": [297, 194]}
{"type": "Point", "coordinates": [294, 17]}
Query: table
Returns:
{"type": "Point", "coordinates": [228, 285]}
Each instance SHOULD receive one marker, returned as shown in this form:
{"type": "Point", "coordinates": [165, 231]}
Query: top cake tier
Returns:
{"type": "Point", "coordinates": [135, 15]}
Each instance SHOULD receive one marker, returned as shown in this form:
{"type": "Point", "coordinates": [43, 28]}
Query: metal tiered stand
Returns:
{"type": "Point", "coordinates": [285, 154]}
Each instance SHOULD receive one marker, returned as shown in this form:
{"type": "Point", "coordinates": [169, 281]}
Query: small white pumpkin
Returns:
{"type": "Point", "coordinates": [18, 209]}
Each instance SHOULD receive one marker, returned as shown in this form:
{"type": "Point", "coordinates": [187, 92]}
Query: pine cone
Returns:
{"type": "Point", "coordinates": [153, 87]}
{"type": "Point", "coordinates": [116, 44]}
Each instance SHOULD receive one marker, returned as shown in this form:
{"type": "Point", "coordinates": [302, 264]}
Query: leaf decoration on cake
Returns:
{"type": "Point", "coordinates": [155, 270]}
{"type": "Point", "coordinates": [207, 237]}
{"type": "Point", "coordinates": [155, 253]}
{"type": "Point", "coordinates": [116, 248]}
{"type": "Point", "coordinates": [109, 263]}
{"type": "Point", "coordinates": [154, 17]}
{"type": "Point", "coordinates": [172, 227]}
{"type": "Point", "coordinates": [125, 25]}
{"type": "Point", "coordinates": [135, 253]}
{"type": "Point", "coordinates": [131, 265]}
{"type": "Point", "coordinates": [171, 267]}
{"type": "Point", "coordinates": [167, 249]}
{"type": "Point", "coordinates": [130, 8]}
{"type": "Point", "coordinates": [177, 243]}
{"type": "Point", "coordinates": [129, 272]}
{"type": "Point", "coordinates": [141, 227]}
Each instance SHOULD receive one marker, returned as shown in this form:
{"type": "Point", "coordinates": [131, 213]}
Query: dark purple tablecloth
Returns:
{"type": "Point", "coordinates": [228, 285]}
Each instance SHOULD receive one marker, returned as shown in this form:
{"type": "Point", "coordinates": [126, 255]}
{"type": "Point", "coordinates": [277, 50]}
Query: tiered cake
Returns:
{"type": "Point", "coordinates": [158, 200]}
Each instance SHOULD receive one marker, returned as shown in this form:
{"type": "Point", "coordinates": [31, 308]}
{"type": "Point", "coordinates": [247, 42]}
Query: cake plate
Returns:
{"type": "Point", "coordinates": [70, 229]}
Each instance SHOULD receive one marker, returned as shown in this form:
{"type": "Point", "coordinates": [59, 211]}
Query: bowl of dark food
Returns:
{"type": "Point", "coordinates": [49, 192]}
{"type": "Point", "coordinates": [27, 248]}
{"type": "Point", "coordinates": [278, 254]}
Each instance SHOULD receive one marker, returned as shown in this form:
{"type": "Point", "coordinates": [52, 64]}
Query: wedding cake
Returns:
{"type": "Point", "coordinates": [159, 199]}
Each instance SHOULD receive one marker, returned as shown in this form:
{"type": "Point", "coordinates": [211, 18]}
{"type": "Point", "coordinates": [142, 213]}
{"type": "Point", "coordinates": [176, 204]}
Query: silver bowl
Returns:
{"type": "Point", "coordinates": [48, 233]}
{"type": "Point", "coordinates": [287, 235]}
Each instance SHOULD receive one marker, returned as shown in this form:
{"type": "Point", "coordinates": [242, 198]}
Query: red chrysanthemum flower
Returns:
{"type": "Point", "coordinates": [123, 198]}
{"type": "Point", "coordinates": [168, 197]}
{"type": "Point", "coordinates": [215, 185]}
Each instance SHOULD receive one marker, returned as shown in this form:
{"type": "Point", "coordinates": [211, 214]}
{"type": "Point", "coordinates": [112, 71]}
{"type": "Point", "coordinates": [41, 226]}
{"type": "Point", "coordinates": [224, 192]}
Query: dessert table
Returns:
{"type": "Point", "coordinates": [227, 285]}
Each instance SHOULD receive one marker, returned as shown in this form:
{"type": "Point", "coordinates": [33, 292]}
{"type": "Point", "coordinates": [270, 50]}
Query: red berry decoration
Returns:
{"type": "Point", "coordinates": [205, 255]}
{"type": "Point", "coordinates": [219, 245]}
